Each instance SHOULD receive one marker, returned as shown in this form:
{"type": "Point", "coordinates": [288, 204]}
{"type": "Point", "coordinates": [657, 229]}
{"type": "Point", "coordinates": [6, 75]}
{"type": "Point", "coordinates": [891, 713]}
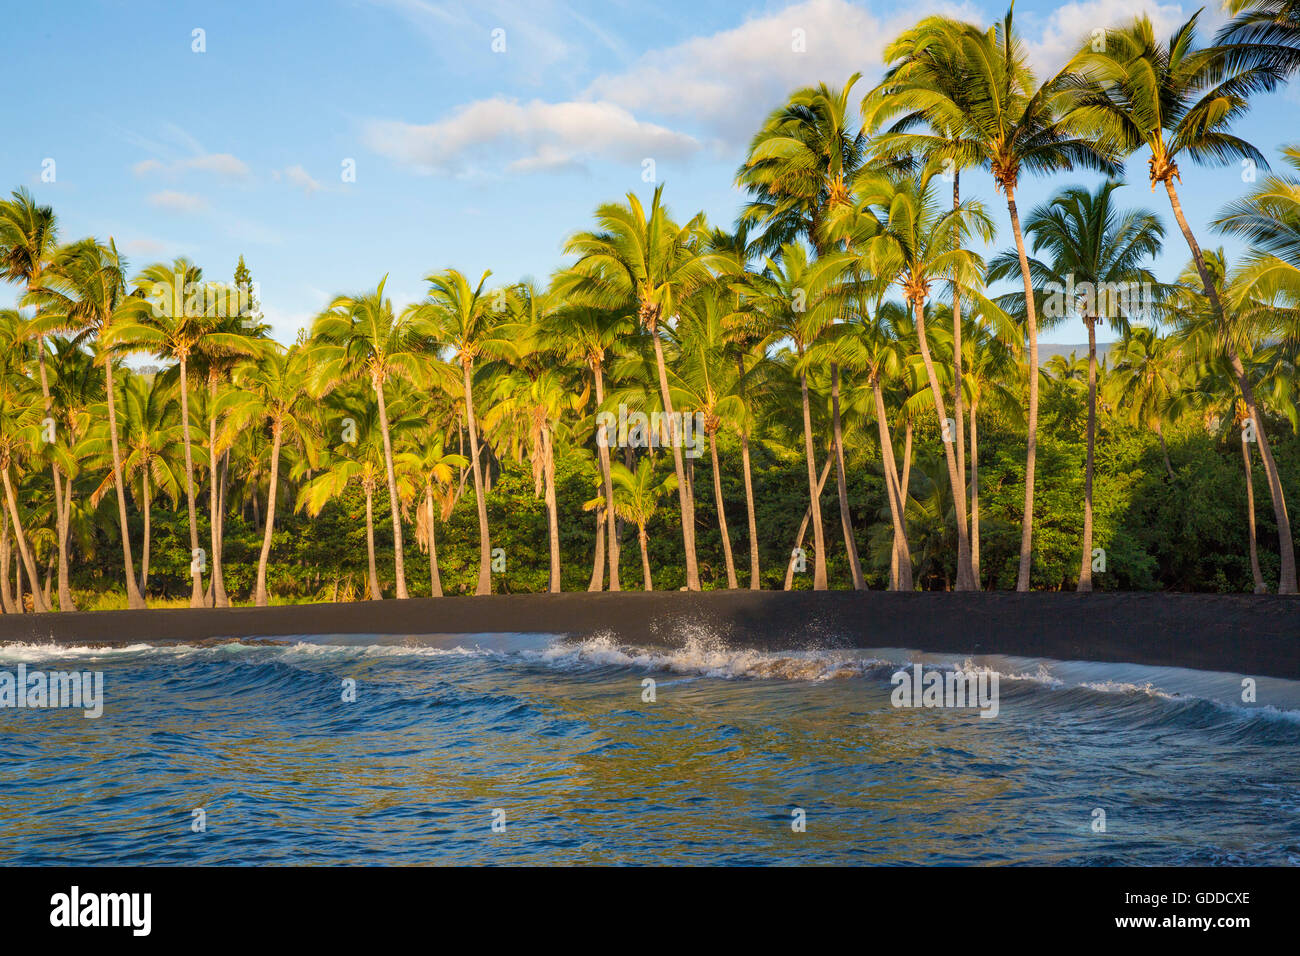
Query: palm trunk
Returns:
{"type": "Point", "coordinates": [196, 572]}
{"type": "Point", "coordinates": [375, 594]}
{"type": "Point", "coordinates": [552, 519]}
{"type": "Point", "coordinates": [1031, 440]}
{"type": "Point", "coordinates": [1085, 565]}
{"type": "Point", "coordinates": [134, 595]}
{"type": "Point", "coordinates": [597, 582]}
{"type": "Point", "coordinates": [754, 581]}
{"type": "Point", "coordinates": [260, 596]}
{"type": "Point", "coordinates": [901, 563]}
{"type": "Point", "coordinates": [1286, 549]}
{"type": "Point", "coordinates": [722, 514]}
{"type": "Point", "coordinates": [484, 542]}
{"type": "Point", "coordinates": [148, 526]}
{"type": "Point", "coordinates": [814, 490]}
{"type": "Point", "coordinates": [958, 398]}
{"type": "Point", "coordinates": [6, 595]}
{"type": "Point", "coordinates": [903, 553]}
{"type": "Point", "coordinates": [1164, 450]}
{"type": "Point", "coordinates": [394, 505]}
{"type": "Point", "coordinates": [38, 600]}
{"type": "Point", "coordinates": [611, 522]}
{"type": "Point", "coordinates": [60, 515]}
{"type": "Point", "coordinates": [647, 584]}
{"type": "Point", "coordinates": [846, 519]}
{"type": "Point", "coordinates": [954, 479]}
{"type": "Point", "coordinates": [974, 494]}
{"type": "Point", "coordinates": [217, 583]}
{"type": "Point", "coordinates": [1260, 586]}
{"type": "Point", "coordinates": [684, 498]}
{"type": "Point", "coordinates": [65, 590]}
{"type": "Point", "coordinates": [803, 525]}
{"type": "Point", "coordinates": [435, 580]}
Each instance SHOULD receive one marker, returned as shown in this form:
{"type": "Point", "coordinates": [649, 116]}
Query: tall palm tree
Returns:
{"type": "Point", "coordinates": [801, 168]}
{"type": "Point", "coordinates": [28, 245]}
{"type": "Point", "coordinates": [1094, 255]}
{"type": "Point", "coordinates": [649, 262]}
{"type": "Point", "coordinates": [1177, 99]}
{"type": "Point", "coordinates": [165, 318]}
{"type": "Point", "coordinates": [588, 336]}
{"type": "Point", "coordinates": [1145, 375]}
{"type": "Point", "coordinates": [1013, 124]}
{"type": "Point", "coordinates": [359, 338]}
{"type": "Point", "coordinates": [636, 497]}
{"type": "Point", "coordinates": [900, 232]}
{"type": "Point", "coordinates": [21, 413]}
{"type": "Point", "coordinates": [460, 317]}
{"type": "Point", "coordinates": [272, 390]}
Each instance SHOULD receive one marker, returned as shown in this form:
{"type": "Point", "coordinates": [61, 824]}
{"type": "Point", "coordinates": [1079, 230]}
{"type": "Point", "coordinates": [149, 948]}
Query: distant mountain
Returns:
{"type": "Point", "coordinates": [1045, 351]}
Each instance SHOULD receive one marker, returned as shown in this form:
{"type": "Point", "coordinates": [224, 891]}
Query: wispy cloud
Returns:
{"type": "Point", "coordinates": [173, 201]}
{"type": "Point", "coordinates": [222, 164]}
{"type": "Point", "coordinates": [296, 175]}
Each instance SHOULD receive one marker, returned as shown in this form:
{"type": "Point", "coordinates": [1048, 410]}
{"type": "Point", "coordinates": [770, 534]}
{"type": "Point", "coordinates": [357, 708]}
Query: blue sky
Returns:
{"type": "Point", "coordinates": [464, 155]}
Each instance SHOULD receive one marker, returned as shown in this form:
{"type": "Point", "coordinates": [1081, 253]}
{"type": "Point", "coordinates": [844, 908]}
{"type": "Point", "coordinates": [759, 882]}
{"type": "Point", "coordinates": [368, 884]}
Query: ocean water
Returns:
{"type": "Point", "coordinates": [526, 749]}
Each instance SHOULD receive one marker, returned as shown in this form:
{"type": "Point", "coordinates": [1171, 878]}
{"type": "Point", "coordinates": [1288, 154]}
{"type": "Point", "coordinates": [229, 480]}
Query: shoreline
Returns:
{"type": "Point", "coordinates": [1248, 634]}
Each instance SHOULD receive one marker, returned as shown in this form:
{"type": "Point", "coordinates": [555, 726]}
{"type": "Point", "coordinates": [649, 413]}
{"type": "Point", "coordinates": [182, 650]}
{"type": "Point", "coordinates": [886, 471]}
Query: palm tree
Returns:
{"type": "Point", "coordinates": [1095, 266]}
{"type": "Point", "coordinates": [165, 318]}
{"type": "Point", "coordinates": [796, 298]}
{"type": "Point", "coordinates": [433, 472]}
{"type": "Point", "coordinates": [588, 336]}
{"type": "Point", "coordinates": [460, 317]}
{"type": "Point", "coordinates": [1269, 217]}
{"type": "Point", "coordinates": [1012, 124]}
{"type": "Point", "coordinates": [28, 244]}
{"type": "Point", "coordinates": [1264, 32]}
{"type": "Point", "coordinates": [273, 390]}
{"type": "Point", "coordinates": [83, 291]}
{"type": "Point", "coordinates": [636, 499]}
{"type": "Point", "coordinates": [1145, 375]}
{"type": "Point", "coordinates": [801, 168]}
{"type": "Point", "coordinates": [358, 337]}
{"type": "Point", "coordinates": [898, 231]}
{"type": "Point", "coordinates": [21, 411]}
{"type": "Point", "coordinates": [1179, 100]}
{"type": "Point", "coordinates": [653, 264]}
{"type": "Point", "coordinates": [151, 433]}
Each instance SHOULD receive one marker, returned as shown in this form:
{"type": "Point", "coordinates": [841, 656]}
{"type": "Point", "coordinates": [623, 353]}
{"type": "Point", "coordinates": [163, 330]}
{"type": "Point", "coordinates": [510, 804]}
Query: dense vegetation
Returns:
{"type": "Point", "coordinates": [845, 404]}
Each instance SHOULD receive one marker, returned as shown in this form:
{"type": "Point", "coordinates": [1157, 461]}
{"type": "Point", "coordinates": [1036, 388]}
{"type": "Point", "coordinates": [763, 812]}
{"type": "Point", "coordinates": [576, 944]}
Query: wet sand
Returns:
{"type": "Point", "coordinates": [1246, 634]}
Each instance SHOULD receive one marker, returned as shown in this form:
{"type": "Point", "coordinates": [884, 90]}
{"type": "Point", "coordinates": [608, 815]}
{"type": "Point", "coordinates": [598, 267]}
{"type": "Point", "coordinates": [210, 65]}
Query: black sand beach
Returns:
{"type": "Point", "coordinates": [1247, 634]}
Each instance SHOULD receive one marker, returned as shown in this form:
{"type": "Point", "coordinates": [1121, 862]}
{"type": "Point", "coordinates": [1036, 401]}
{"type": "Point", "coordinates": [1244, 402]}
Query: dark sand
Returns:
{"type": "Point", "coordinates": [1247, 634]}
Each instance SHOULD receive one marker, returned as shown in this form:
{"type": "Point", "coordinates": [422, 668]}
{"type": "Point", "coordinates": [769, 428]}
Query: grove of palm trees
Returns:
{"type": "Point", "coordinates": [842, 388]}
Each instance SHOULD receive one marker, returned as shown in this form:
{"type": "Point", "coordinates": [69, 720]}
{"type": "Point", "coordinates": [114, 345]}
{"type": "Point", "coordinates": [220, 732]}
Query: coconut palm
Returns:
{"type": "Point", "coordinates": [1145, 375]}
{"type": "Point", "coordinates": [433, 473]}
{"type": "Point", "coordinates": [1265, 32]}
{"type": "Point", "coordinates": [1013, 125]}
{"type": "Point", "coordinates": [1179, 100]}
{"type": "Point", "coordinates": [272, 390]}
{"type": "Point", "coordinates": [463, 319]}
{"type": "Point", "coordinates": [359, 338]}
{"type": "Point", "coordinates": [636, 498]}
{"type": "Point", "coordinates": [172, 316]}
{"type": "Point", "coordinates": [650, 263]}
{"type": "Point", "coordinates": [1093, 256]}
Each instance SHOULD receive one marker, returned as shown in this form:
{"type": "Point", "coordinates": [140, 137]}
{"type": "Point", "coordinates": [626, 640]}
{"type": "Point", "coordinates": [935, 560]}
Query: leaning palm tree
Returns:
{"type": "Point", "coordinates": [650, 263]}
{"type": "Point", "coordinates": [1010, 124]}
{"type": "Point", "coordinates": [359, 338]}
{"type": "Point", "coordinates": [21, 414]}
{"type": "Point", "coordinates": [1178, 100]}
{"type": "Point", "coordinates": [461, 317]}
{"type": "Point", "coordinates": [28, 246]}
{"type": "Point", "coordinates": [1093, 262]}
{"type": "Point", "coordinates": [636, 498]}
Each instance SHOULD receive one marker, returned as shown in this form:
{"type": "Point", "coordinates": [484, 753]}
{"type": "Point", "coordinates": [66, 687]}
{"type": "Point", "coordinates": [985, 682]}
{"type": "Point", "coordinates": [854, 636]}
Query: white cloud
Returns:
{"type": "Point", "coordinates": [296, 175]}
{"type": "Point", "coordinates": [530, 136]}
{"type": "Point", "coordinates": [221, 164]}
{"type": "Point", "coordinates": [178, 202]}
{"type": "Point", "coordinates": [1065, 29]}
{"type": "Point", "coordinates": [144, 247]}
